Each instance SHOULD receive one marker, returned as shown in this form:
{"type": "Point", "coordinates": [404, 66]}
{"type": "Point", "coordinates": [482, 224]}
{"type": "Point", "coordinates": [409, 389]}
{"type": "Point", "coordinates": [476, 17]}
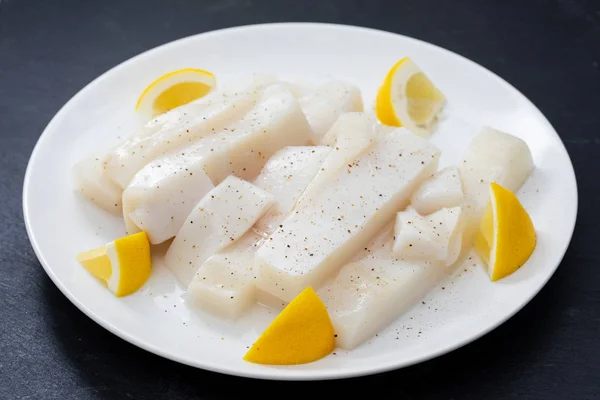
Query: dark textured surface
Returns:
{"type": "Point", "coordinates": [550, 50]}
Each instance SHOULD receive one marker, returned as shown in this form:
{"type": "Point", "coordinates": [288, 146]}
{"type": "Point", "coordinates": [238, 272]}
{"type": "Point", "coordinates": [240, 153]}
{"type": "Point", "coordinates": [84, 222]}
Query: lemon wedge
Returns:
{"type": "Point", "coordinates": [300, 334]}
{"type": "Point", "coordinates": [506, 236]}
{"type": "Point", "coordinates": [174, 89]}
{"type": "Point", "coordinates": [408, 98]}
{"type": "Point", "coordinates": [123, 265]}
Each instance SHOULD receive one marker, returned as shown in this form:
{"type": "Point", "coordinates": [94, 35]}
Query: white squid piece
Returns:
{"type": "Point", "coordinates": [375, 289]}
{"type": "Point", "coordinates": [492, 156]}
{"type": "Point", "coordinates": [286, 176]}
{"type": "Point", "coordinates": [99, 177]}
{"type": "Point", "coordinates": [346, 211]}
{"type": "Point", "coordinates": [181, 126]}
{"type": "Point", "coordinates": [241, 149]}
{"type": "Point", "coordinates": [159, 204]}
{"type": "Point", "coordinates": [444, 189]}
{"type": "Point", "coordinates": [223, 216]}
{"type": "Point", "coordinates": [226, 283]}
{"type": "Point", "coordinates": [91, 181]}
{"type": "Point", "coordinates": [352, 126]}
{"type": "Point", "coordinates": [354, 134]}
{"type": "Point", "coordinates": [325, 104]}
{"type": "Point", "coordinates": [435, 237]}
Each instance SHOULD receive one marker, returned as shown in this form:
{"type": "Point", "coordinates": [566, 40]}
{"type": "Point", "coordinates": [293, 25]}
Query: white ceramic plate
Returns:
{"type": "Point", "coordinates": [461, 309]}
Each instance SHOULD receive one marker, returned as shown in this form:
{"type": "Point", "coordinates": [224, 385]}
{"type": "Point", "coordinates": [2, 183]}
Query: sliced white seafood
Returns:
{"type": "Point", "coordinates": [326, 103]}
{"type": "Point", "coordinates": [286, 175]}
{"type": "Point", "coordinates": [225, 284]}
{"type": "Point", "coordinates": [346, 211]}
{"type": "Point", "coordinates": [90, 180]}
{"type": "Point", "coordinates": [240, 150]}
{"type": "Point", "coordinates": [492, 156]}
{"type": "Point", "coordinates": [347, 124]}
{"type": "Point", "coordinates": [377, 286]}
{"type": "Point", "coordinates": [435, 237]}
{"type": "Point", "coordinates": [223, 215]}
{"type": "Point", "coordinates": [442, 190]}
{"type": "Point", "coordinates": [159, 204]}
{"type": "Point", "coordinates": [91, 176]}
{"type": "Point", "coordinates": [180, 127]}
{"type": "Point", "coordinates": [375, 289]}
{"type": "Point", "coordinates": [355, 133]}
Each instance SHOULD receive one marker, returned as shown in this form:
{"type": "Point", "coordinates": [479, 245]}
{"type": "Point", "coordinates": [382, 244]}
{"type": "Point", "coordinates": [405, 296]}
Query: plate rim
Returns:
{"type": "Point", "coordinates": [279, 374]}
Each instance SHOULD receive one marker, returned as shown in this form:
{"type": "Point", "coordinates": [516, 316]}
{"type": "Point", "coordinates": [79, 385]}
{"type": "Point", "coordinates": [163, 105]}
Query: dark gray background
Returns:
{"type": "Point", "coordinates": [550, 50]}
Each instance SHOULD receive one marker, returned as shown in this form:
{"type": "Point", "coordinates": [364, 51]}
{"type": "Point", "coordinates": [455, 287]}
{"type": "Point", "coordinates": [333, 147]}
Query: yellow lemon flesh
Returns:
{"type": "Point", "coordinates": [300, 334]}
{"type": "Point", "coordinates": [506, 236]}
{"type": "Point", "coordinates": [175, 89]}
{"type": "Point", "coordinates": [123, 265]}
{"type": "Point", "coordinates": [408, 98]}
